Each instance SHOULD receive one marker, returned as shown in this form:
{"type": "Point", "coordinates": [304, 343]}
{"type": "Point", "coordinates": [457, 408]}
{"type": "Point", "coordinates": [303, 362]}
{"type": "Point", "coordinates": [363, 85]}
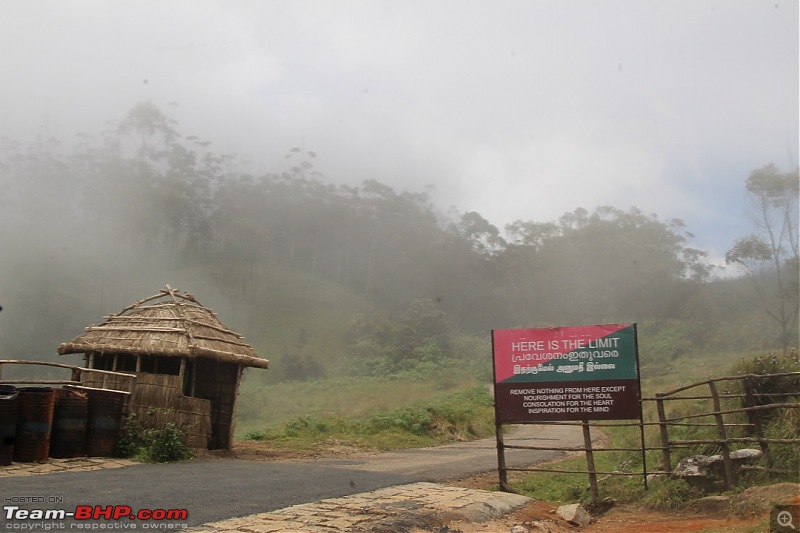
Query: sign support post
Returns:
{"type": "Point", "coordinates": [587, 443]}
{"type": "Point", "coordinates": [501, 460]}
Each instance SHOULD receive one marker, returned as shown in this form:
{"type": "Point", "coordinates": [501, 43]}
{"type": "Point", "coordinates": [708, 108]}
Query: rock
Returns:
{"type": "Point", "coordinates": [691, 467]}
{"type": "Point", "coordinates": [541, 526]}
{"type": "Point", "coordinates": [653, 478]}
{"type": "Point", "coordinates": [762, 498]}
{"type": "Point", "coordinates": [739, 457]}
{"type": "Point", "coordinates": [575, 514]}
{"type": "Point", "coordinates": [519, 529]}
{"type": "Point", "coordinates": [704, 471]}
{"type": "Point", "coordinates": [718, 505]}
{"type": "Point", "coordinates": [748, 455]}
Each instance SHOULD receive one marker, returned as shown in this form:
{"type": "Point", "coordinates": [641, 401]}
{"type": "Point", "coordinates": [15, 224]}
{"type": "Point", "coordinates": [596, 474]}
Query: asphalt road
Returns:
{"type": "Point", "coordinates": [218, 489]}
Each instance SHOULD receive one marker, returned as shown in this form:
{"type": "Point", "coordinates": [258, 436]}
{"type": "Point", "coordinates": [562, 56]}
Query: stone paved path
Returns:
{"type": "Point", "coordinates": [400, 508]}
{"type": "Point", "coordinates": [52, 466]}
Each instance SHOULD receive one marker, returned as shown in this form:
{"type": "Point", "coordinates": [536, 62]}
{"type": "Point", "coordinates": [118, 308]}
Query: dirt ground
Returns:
{"type": "Point", "coordinates": [752, 506]}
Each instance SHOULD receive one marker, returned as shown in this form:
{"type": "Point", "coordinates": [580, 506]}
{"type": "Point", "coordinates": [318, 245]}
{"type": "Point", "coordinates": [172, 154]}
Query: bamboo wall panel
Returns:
{"type": "Point", "coordinates": [158, 400]}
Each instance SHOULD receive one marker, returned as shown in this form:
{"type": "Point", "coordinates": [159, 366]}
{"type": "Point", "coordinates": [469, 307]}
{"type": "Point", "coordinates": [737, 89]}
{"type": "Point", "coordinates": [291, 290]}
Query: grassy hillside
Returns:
{"type": "Point", "coordinates": [267, 406]}
{"type": "Point", "coordinates": [284, 311]}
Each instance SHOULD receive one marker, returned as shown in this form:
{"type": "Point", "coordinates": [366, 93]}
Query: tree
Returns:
{"type": "Point", "coordinates": [607, 265]}
{"type": "Point", "coordinates": [421, 335]}
{"type": "Point", "coordinates": [483, 236]}
{"type": "Point", "coordinates": [769, 257]}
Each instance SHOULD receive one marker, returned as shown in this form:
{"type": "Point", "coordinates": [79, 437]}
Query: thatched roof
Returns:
{"type": "Point", "coordinates": [167, 324]}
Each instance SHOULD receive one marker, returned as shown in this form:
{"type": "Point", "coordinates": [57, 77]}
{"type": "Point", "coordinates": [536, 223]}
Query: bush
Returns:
{"type": "Point", "coordinates": [153, 445]}
{"type": "Point", "coordinates": [166, 444]}
{"type": "Point", "coordinates": [306, 425]}
{"type": "Point", "coordinates": [785, 425]}
{"type": "Point", "coordinates": [772, 389]}
{"type": "Point", "coordinates": [458, 417]}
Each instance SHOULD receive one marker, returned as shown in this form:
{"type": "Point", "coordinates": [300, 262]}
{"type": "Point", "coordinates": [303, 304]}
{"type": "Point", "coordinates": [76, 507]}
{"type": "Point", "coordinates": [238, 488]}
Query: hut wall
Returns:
{"type": "Point", "coordinates": [157, 400]}
{"type": "Point", "coordinates": [217, 381]}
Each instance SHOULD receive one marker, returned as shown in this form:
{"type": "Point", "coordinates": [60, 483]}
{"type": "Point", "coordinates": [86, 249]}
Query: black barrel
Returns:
{"type": "Point", "coordinates": [70, 415]}
{"type": "Point", "coordinates": [34, 422]}
{"type": "Point", "coordinates": [105, 414]}
{"type": "Point", "coordinates": [8, 422]}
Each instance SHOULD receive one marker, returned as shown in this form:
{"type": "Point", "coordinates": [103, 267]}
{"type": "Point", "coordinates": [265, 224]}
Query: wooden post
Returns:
{"type": "Point", "coordinates": [182, 376]}
{"type": "Point", "coordinates": [644, 444]}
{"type": "Point", "coordinates": [755, 419]}
{"type": "Point", "coordinates": [138, 363]}
{"type": "Point", "coordinates": [239, 372]}
{"type": "Point", "coordinates": [666, 460]}
{"type": "Point", "coordinates": [194, 378]}
{"type": "Point", "coordinates": [501, 459]}
{"type": "Point", "coordinates": [730, 475]}
{"type": "Point", "coordinates": [105, 376]}
{"type": "Point", "coordinates": [587, 443]}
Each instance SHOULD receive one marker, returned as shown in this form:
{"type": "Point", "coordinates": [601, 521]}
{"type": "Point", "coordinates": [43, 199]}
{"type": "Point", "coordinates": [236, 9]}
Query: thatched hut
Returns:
{"type": "Point", "coordinates": [188, 364]}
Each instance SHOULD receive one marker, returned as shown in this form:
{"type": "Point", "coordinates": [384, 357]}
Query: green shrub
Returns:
{"type": "Point", "coordinates": [458, 417]}
{"type": "Point", "coordinates": [770, 363]}
{"type": "Point", "coordinates": [306, 425]}
{"type": "Point", "coordinates": [255, 435]}
{"type": "Point", "coordinates": [785, 425]}
{"type": "Point", "coordinates": [166, 444]}
{"type": "Point", "coordinates": [153, 445]}
{"type": "Point", "coordinates": [131, 437]}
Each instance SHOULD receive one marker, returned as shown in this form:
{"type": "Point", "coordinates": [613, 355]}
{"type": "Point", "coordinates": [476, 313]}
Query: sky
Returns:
{"type": "Point", "coordinates": [514, 109]}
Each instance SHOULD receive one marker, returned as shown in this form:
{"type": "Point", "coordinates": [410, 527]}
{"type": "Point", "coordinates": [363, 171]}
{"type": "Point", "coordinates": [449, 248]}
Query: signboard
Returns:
{"type": "Point", "coordinates": [566, 373]}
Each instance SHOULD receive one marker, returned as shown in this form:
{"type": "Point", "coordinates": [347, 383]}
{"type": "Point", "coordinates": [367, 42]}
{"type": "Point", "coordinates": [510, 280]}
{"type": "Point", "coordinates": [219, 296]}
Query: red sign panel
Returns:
{"type": "Point", "coordinates": [566, 373]}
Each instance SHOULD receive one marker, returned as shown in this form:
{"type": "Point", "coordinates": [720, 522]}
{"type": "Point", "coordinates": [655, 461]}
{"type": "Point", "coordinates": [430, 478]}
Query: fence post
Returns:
{"type": "Point", "coordinates": [755, 418]}
{"type": "Point", "coordinates": [587, 443]}
{"type": "Point", "coordinates": [666, 460]}
{"type": "Point", "coordinates": [730, 475]}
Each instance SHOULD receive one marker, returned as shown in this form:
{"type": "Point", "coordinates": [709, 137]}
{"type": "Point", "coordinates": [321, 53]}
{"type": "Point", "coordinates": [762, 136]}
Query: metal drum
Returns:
{"type": "Point", "coordinates": [68, 438]}
{"type": "Point", "coordinates": [34, 422]}
{"type": "Point", "coordinates": [8, 422]}
{"type": "Point", "coordinates": [105, 413]}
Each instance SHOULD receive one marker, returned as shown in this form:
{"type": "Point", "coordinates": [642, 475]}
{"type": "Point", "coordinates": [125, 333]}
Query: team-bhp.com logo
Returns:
{"type": "Point", "coordinates": [94, 513]}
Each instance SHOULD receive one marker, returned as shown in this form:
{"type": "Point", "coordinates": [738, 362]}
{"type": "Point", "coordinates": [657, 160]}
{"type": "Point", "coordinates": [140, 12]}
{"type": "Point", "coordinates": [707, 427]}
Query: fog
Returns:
{"type": "Point", "coordinates": [128, 127]}
{"type": "Point", "coordinates": [517, 110]}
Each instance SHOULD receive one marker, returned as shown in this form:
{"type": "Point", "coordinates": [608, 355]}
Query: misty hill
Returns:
{"type": "Point", "coordinates": [311, 272]}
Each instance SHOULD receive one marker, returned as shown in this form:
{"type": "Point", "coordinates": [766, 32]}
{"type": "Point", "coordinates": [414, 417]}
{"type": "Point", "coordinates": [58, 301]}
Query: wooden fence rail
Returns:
{"type": "Point", "coordinates": [722, 422]}
{"type": "Point", "coordinates": [128, 381]}
{"type": "Point", "coordinates": [750, 408]}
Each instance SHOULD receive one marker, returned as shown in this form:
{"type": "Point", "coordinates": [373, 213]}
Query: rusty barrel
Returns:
{"type": "Point", "coordinates": [34, 422]}
{"type": "Point", "coordinates": [105, 414]}
{"type": "Point", "coordinates": [70, 416]}
{"type": "Point", "coordinates": [8, 422]}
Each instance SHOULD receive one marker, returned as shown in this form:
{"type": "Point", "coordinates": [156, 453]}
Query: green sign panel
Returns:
{"type": "Point", "coordinates": [566, 373]}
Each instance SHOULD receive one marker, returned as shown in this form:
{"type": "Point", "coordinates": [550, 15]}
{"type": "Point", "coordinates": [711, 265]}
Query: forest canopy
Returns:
{"type": "Point", "coordinates": [88, 229]}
